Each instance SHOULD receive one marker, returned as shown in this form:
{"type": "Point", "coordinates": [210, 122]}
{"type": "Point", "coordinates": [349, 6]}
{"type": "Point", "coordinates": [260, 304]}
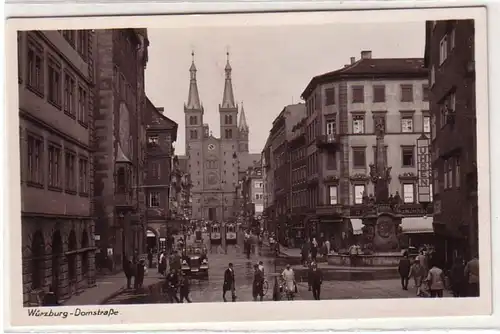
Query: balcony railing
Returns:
{"type": "Point", "coordinates": [328, 141]}
{"type": "Point", "coordinates": [124, 200]}
{"type": "Point", "coordinates": [333, 209]}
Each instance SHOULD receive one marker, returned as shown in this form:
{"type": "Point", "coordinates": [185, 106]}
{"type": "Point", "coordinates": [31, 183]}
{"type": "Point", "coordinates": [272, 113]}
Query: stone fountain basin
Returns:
{"type": "Point", "coordinates": [389, 259]}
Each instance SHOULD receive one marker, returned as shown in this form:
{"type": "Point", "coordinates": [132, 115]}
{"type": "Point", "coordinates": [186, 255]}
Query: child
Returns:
{"type": "Point", "coordinates": [417, 271]}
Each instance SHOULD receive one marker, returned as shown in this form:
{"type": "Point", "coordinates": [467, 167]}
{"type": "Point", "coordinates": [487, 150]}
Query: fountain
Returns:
{"type": "Point", "coordinates": [381, 220]}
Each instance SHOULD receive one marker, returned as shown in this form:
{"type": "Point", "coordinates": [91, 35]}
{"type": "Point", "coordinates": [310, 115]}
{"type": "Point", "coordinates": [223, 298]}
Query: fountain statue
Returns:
{"type": "Point", "coordinates": [381, 220]}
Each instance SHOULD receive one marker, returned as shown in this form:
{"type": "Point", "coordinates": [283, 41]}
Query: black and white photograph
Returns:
{"type": "Point", "coordinates": [251, 162]}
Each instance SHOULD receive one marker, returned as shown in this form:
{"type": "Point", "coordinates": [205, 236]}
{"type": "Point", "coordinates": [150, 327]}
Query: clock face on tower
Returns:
{"type": "Point", "coordinates": [211, 147]}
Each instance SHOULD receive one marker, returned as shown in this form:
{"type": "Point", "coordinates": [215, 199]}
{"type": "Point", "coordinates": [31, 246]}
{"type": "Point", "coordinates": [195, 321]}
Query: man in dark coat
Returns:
{"type": "Point", "coordinates": [229, 283]}
{"type": "Point", "coordinates": [171, 283]}
{"type": "Point", "coordinates": [184, 288]}
{"type": "Point", "coordinates": [129, 271]}
{"type": "Point", "coordinates": [315, 279]}
{"type": "Point", "coordinates": [50, 298]}
{"type": "Point", "coordinates": [139, 276]}
{"type": "Point", "coordinates": [404, 270]}
{"type": "Point", "coordinates": [258, 283]}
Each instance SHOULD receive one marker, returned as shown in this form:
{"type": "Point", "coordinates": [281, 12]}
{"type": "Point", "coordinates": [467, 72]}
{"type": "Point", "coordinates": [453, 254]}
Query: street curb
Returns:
{"type": "Point", "coordinates": [111, 296]}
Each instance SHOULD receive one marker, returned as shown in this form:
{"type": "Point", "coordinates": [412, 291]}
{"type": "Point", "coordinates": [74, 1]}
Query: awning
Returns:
{"type": "Point", "coordinates": [357, 226]}
{"type": "Point", "coordinates": [414, 225]}
{"type": "Point", "coordinates": [150, 234]}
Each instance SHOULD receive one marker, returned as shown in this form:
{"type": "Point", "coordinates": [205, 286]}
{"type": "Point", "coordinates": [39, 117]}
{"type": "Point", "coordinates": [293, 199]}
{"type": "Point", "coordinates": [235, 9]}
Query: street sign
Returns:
{"type": "Point", "coordinates": [424, 169]}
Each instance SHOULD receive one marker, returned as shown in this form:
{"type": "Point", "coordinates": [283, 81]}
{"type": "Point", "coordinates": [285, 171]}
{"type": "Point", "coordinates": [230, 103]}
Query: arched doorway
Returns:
{"type": "Point", "coordinates": [57, 252]}
{"type": "Point", "coordinates": [37, 260]}
{"type": "Point", "coordinates": [151, 240]}
{"type": "Point", "coordinates": [72, 246]}
{"type": "Point", "coordinates": [85, 256]}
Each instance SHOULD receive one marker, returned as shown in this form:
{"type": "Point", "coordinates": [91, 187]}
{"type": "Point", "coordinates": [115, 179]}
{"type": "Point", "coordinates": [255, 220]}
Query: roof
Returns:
{"type": "Point", "coordinates": [293, 114]}
{"type": "Point", "coordinates": [155, 112]}
{"type": "Point", "coordinates": [374, 68]}
{"type": "Point", "coordinates": [248, 160]}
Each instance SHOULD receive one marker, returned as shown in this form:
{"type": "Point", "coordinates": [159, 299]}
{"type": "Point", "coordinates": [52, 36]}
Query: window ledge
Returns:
{"type": "Point", "coordinates": [70, 192]}
{"type": "Point", "coordinates": [34, 184]}
{"type": "Point", "coordinates": [55, 104]}
{"type": "Point", "coordinates": [55, 188]}
{"type": "Point", "coordinates": [34, 90]}
{"type": "Point", "coordinates": [84, 194]}
{"type": "Point", "coordinates": [70, 114]}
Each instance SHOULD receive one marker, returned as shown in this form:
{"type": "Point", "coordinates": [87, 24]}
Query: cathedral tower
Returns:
{"type": "Point", "coordinates": [243, 131]}
{"type": "Point", "coordinates": [193, 111]}
{"type": "Point", "coordinates": [228, 110]}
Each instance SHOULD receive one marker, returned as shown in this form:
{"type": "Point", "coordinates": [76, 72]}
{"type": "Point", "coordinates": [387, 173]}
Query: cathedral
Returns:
{"type": "Point", "coordinates": [214, 163]}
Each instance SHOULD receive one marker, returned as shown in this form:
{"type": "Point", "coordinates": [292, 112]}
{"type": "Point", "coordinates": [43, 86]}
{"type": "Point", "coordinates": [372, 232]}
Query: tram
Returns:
{"type": "Point", "coordinates": [215, 234]}
{"type": "Point", "coordinates": [231, 235]}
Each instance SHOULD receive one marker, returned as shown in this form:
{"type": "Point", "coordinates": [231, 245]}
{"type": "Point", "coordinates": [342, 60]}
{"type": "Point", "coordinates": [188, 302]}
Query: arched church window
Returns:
{"type": "Point", "coordinates": [230, 117]}
{"type": "Point", "coordinates": [121, 180]}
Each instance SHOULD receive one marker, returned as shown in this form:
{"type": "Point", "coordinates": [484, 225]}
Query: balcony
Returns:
{"type": "Point", "coordinates": [124, 200]}
{"type": "Point", "coordinates": [329, 141]}
{"type": "Point", "coordinates": [329, 210]}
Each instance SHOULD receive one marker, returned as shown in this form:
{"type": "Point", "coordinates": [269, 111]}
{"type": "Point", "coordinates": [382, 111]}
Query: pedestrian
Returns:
{"type": "Point", "coordinates": [139, 275]}
{"type": "Point", "coordinates": [50, 298]}
{"type": "Point", "coordinates": [316, 279]}
{"type": "Point", "coordinates": [314, 250]}
{"type": "Point", "coordinates": [288, 276]}
{"type": "Point", "coordinates": [171, 283]}
{"type": "Point", "coordinates": [260, 244]}
{"type": "Point", "coordinates": [128, 269]}
{"type": "Point", "coordinates": [457, 277]}
{"type": "Point", "coordinates": [435, 281]}
{"type": "Point", "coordinates": [184, 288]}
{"type": "Point", "coordinates": [150, 258]}
{"type": "Point", "coordinates": [423, 259]}
{"type": "Point", "coordinates": [229, 283]}
{"type": "Point", "coordinates": [471, 273]}
{"type": "Point", "coordinates": [404, 270]}
{"type": "Point", "coordinates": [261, 268]}
{"type": "Point", "coordinates": [304, 253]}
{"type": "Point", "coordinates": [328, 246]}
{"type": "Point", "coordinates": [418, 274]}
{"type": "Point", "coordinates": [162, 264]}
{"type": "Point", "coordinates": [353, 255]}
{"type": "Point", "coordinates": [258, 284]}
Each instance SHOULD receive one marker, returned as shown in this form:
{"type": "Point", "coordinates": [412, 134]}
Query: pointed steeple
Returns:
{"type": "Point", "coordinates": [228, 97]}
{"type": "Point", "coordinates": [243, 126]}
{"type": "Point", "coordinates": [193, 97]}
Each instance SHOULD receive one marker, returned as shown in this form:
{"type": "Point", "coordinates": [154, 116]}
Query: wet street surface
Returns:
{"type": "Point", "coordinates": [339, 283]}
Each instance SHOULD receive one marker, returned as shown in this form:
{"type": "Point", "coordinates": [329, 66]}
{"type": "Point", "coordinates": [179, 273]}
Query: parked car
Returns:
{"type": "Point", "coordinates": [195, 261]}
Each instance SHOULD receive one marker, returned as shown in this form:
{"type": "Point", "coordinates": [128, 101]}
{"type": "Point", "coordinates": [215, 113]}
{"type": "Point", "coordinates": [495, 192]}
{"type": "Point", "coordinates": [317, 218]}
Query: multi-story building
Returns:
{"type": "Point", "coordinates": [161, 133]}
{"type": "Point", "coordinates": [252, 194]}
{"type": "Point", "coordinates": [214, 163]}
{"type": "Point", "coordinates": [298, 159]}
{"type": "Point", "coordinates": [343, 107]}
{"type": "Point", "coordinates": [56, 88]}
{"type": "Point", "coordinates": [268, 179]}
{"type": "Point", "coordinates": [281, 134]}
{"type": "Point", "coordinates": [449, 56]}
{"type": "Point", "coordinates": [120, 145]}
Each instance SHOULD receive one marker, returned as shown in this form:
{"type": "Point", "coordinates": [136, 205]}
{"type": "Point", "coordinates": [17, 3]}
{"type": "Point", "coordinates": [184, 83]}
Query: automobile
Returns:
{"type": "Point", "coordinates": [195, 261]}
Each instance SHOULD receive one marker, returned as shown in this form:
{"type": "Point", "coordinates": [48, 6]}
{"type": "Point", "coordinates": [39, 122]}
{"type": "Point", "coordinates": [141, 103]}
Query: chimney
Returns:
{"type": "Point", "coordinates": [353, 60]}
{"type": "Point", "coordinates": [366, 55]}
{"type": "Point", "coordinates": [346, 66]}
{"type": "Point", "coordinates": [160, 110]}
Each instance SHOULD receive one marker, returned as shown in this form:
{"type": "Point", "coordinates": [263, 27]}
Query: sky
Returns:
{"type": "Point", "coordinates": [271, 65]}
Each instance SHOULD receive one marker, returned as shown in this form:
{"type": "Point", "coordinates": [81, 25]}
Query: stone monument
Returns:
{"type": "Point", "coordinates": [381, 221]}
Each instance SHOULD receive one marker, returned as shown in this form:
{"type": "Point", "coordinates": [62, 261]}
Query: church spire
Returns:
{"type": "Point", "coordinates": [243, 126]}
{"type": "Point", "coordinates": [193, 97]}
{"type": "Point", "coordinates": [228, 97]}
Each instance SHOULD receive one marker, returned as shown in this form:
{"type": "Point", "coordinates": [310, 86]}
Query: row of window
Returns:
{"type": "Point", "coordinates": [79, 40]}
{"type": "Point", "coordinates": [228, 134]}
{"type": "Point", "coordinates": [60, 163]}
{"type": "Point", "coordinates": [446, 46]}
{"type": "Point", "coordinates": [450, 176]}
{"type": "Point", "coordinates": [63, 91]}
{"type": "Point", "coordinates": [299, 175]}
{"type": "Point", "coordinates": [359, 156]}
{"type": "Point", "coordinates": [297, 154]}
{"type": "Point", "coordinates": [407, 94]}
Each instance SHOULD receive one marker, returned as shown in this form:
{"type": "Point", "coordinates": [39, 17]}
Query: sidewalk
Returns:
{"type": "Point", "coordinates": [288, 252]}
{"type": "Point", "coordinates": [108, 287]}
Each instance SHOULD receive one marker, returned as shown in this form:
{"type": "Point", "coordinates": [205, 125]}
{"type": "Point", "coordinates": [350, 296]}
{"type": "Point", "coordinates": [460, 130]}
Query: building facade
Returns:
{"type": "Point", "coordinates": [56, 88]}
{"type": "Point", "coordinates": [214, 163]}
{"type": "Point", "coordinates": [280, 135]}
{"type": "Point", "coordinates": [120, 145]}
{"type": "Point", "coordinates": [343, 107]}
{"type": "Point", "coordinates": [161, 133]}
{"type": "Point", "coordinates": [252, 195]}
{"type": "Point", "coordinates": [449, 56]}
{"type": "Point", "coordinates": [268, 178]}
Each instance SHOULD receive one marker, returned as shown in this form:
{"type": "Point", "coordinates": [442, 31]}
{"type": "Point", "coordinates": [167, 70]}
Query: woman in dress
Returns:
{"type": "Point", "coordinates": [289, 278]}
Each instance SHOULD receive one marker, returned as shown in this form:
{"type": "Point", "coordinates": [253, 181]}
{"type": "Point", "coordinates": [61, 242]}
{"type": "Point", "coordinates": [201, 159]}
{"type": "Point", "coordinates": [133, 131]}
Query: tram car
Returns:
{"type": "Point", "coordinates": [231, 235]}
{"type": "Point", "coordinates": [215, 234]}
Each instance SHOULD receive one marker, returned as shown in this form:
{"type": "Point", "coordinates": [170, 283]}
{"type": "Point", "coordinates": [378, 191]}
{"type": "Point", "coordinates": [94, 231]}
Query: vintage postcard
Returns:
{"type": "Point", "coordinates": [248, 167]}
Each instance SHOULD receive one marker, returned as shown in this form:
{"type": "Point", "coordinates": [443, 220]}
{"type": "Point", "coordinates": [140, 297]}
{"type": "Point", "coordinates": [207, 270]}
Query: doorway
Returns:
{"type": "Point", "coordinates": [151, 241]}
